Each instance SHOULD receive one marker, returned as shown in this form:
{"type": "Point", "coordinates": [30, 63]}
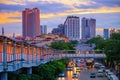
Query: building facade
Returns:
{"type": "Point", "coordinates": [88, 28]}
{"type": "Point", "coordinates": [58, 30]}
{"type": "Point", "coordinates": [72, 28]}
{"type": "Point", "coordinates": [30, 22]}
{"type": "Point", "coordinates": [43, 29]}
{"type": "Point", "coordinates": [106, 33]}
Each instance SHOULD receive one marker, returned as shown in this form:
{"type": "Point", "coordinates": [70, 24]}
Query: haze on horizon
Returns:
{"type": "Point", "coordinates": [54, 12]}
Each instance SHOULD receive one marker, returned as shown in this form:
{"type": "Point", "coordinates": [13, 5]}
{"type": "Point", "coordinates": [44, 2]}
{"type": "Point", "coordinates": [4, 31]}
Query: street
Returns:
{"type": "Point", "coordinates": [85, 75]}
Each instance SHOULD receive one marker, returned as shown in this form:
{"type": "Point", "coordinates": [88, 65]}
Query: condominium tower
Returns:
{"type": "Point", "coordinates": [43, 29]}
{"type": "Point", "coordinates": [72, 27]}
{"type": "Point", "coordinates": [106, 33]}
{"type": "Point", "coordinates": [30, 22]}
{"type": "Point", "coordinates": [88, 28]}
{"type": "Point", "coordinates": [58, 30]}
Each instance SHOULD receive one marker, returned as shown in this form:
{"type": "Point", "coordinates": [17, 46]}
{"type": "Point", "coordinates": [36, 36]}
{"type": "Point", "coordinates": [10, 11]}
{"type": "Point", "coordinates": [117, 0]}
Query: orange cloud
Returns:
{"type": "Point", "coordinates": [99, 29]}
{"type": "Point", "coordinates": [82, 11]}
{"type": "Point", "coordinates": [10, 35]}
{"type": "Point", "coordinates": [5, 17]}
{"type": "Point", "coordinates": [15, 2]}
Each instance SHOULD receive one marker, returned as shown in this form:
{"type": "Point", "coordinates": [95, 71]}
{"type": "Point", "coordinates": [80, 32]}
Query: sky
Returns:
{"type": "Point", "coordinates": [54, 12]}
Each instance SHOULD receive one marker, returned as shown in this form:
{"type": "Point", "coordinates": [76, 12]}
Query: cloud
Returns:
{"type": "Point", "coordinates": [109, 3]}
{"type": "Point", "coordinates": [7, 17]}
{"type": "Point", "coordinates": [10, 7]}
{"type": "Point", "coordinates": [13, 2]}
{"type": "Point", "coordinates": [49, 7]}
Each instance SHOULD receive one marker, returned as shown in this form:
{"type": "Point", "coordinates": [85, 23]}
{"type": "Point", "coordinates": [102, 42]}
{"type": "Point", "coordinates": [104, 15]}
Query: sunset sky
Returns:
{"type": "Point", "coordinates": [54, 12]}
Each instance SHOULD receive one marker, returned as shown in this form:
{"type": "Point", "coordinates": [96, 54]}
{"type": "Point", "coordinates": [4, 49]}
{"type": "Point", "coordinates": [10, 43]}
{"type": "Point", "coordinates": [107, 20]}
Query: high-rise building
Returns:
{"type": "Point", "coordinates": [72, 27]}
{"type": "Point", "coordinates": [106, 33]}
{"type": "Point", "coordinates": [58, 30]}
{"type": "Point", "coordinates": [61, 29]}
{"type": "Point", "coordinates": [88, 28]}
{"type": "Point", "coordinates": [30, 22]}
{"type": "Point", "coordinates": [112, 30]}
{"type": "Point", "coordinates": [43, 29]}
{"type": "Point", "coordinates": [55, 31]}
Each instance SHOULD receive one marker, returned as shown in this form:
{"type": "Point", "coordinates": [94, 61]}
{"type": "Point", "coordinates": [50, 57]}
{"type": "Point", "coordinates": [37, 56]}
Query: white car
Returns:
{"type": "Point", "coordinates": [113, 77]}
{"type": "Point", "coordinates": [102, 67]}
{"type": "Point", "coordinates": [109, 74]}
{"type": "Point", "coordinates": [100, 73]}
{"type": "Point", "coordinates": [106, 72]}
{"type": "Point", "coordinates": [61, 75]}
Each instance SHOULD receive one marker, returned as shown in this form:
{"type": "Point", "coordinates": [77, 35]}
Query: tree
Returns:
{"type": "Point", "coordinates": [115, 36]}
{"type": "Point", "coordinates": [61, 45]}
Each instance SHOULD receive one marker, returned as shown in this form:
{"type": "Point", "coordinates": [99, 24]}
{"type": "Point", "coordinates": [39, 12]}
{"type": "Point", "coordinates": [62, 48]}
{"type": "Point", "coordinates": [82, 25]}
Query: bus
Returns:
{"type": "Point", "coordinates": [89, 64]}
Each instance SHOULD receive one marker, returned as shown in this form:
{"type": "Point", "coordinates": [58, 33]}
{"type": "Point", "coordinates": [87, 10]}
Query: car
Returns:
{"type": "Point", "coordinates": [78, 69]}
{"type": "Point", "coordinates": [75, 75]}
{"type": "Point", "coordinates": [100, 73]}
{"type": "Point", "coordinates": [97, 65]}
{"type": "Point", "coordinates": [102, 67]}
{"type": "Point", "coordinates": [106, 72]}
{"type": "Point", "coordinates": [92, 75]}
{"type": "Point", "coordinates": [109, 74]}
{"type": "Point", "coordinates": [113, 77]}
{"type": "Point", "coordinates": [62, 75]}
{"type": "Point", "coordinates": [69, 68]}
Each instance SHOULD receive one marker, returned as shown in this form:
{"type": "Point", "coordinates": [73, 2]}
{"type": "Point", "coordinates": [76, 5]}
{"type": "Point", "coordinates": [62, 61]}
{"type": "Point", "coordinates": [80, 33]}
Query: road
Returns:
{"type": "Point", "coordinates": [85, 75]}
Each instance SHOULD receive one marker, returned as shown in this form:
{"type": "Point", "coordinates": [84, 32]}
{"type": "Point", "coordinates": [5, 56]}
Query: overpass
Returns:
{"type": "Point", "coordinates": [15, 54]}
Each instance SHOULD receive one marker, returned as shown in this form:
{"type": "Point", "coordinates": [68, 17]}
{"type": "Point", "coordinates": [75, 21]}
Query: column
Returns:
{"type": "Point", "coordinates": [4, 75]}
{"type": "Point", "coordinates": [42, 53]}
{"type": "Point", "coordinates": [22, 57]}
{"type": "Point", "coordinates": [41, 57]}
{"type": "Point", "coordinates": [14, 55]}
{"type": "Point", "coordinates": [36, 54]}
{"type": "Point", "coordinates": [32, 54]}
{"type": "Point", "coordinates": [5, 54]}
{"type": "Point", "coordinates": [28, 47]}
{"type": "Point", "coordinates": [29, 70]}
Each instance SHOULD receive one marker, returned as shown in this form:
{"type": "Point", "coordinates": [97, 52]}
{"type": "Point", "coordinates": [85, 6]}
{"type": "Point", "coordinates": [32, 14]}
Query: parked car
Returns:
{"type": "Point", "coordinates": [75, 75]}
{"type": "Point", "coordinates": [92, 75]}
{"type": "Point", "coordinates": [100, 73]}
{"type": "Point", "coordinates": [113, 77]}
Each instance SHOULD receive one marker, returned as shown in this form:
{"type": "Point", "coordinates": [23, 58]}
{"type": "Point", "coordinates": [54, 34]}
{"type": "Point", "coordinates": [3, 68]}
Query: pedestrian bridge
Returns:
{"type": "Point", "coordinates": [15, 54]}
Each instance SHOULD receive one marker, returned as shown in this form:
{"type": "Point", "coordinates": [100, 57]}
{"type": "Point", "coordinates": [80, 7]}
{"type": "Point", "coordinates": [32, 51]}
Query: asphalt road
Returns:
{"type": "Point", "coordinates": [85, 75]}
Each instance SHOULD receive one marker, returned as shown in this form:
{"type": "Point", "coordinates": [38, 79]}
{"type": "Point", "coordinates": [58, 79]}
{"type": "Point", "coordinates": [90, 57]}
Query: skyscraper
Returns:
{"type": "Point", "coordinates": [88, 28]}
{"type": "Point", "coordinates": [43, 29]}
{"type": "Point", "coordinates": [106, 33]}
{"type": "Point", "coordinates": [30, 22]}
{"type": "Point", "coordinates": [72, 28]}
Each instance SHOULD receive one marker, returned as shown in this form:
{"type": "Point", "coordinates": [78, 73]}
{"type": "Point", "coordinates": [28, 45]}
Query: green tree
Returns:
{"type": "Point", "coordinates": [115, 36]}
{"type": "Point", "coordinates": [61, 45]}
